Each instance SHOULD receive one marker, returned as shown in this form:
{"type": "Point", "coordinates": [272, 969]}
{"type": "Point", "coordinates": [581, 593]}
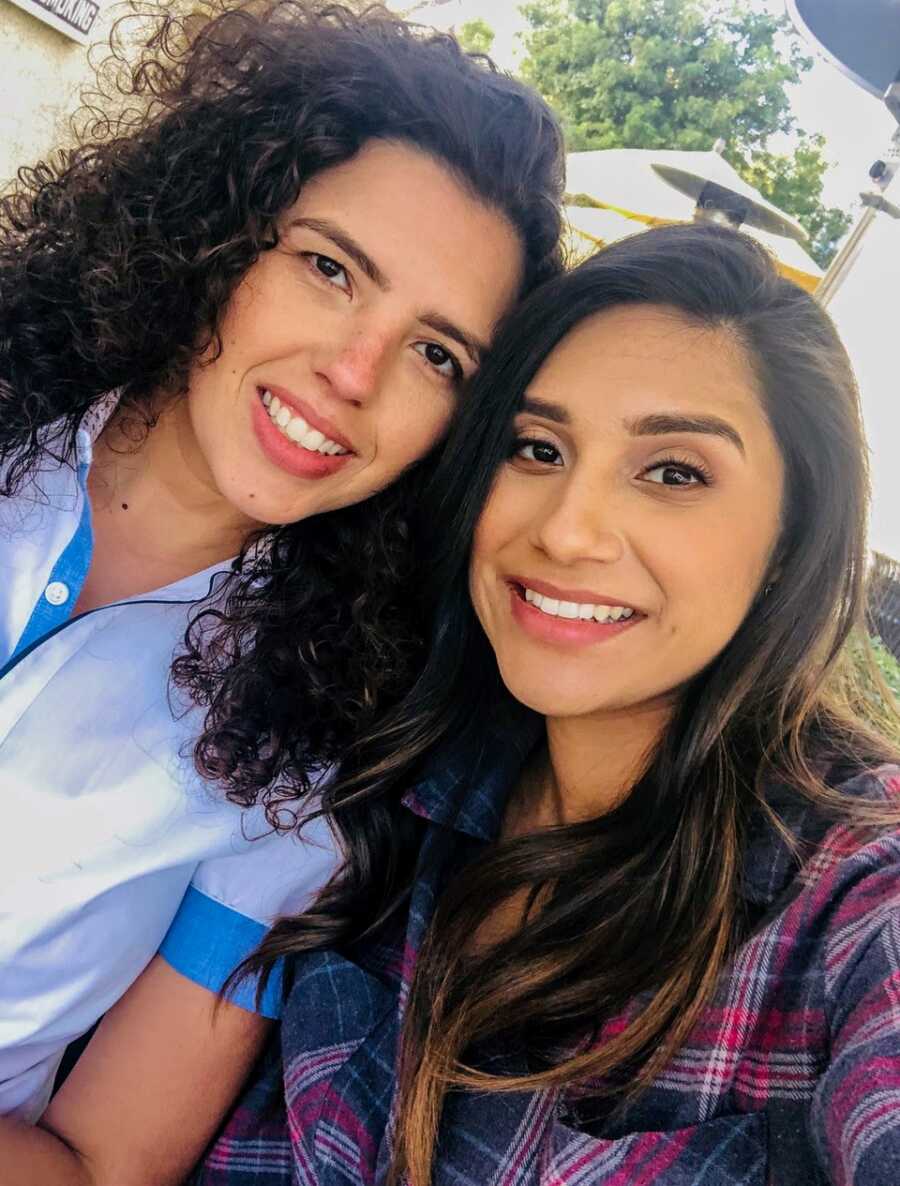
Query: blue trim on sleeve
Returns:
{"type": "Point", "coordinates": [71, 569]}
{"type": "Point", "coordinates": [207, 941]}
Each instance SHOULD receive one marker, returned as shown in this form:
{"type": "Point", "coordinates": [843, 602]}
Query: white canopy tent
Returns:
{"type": "Point", "coordinates": [630, 194]}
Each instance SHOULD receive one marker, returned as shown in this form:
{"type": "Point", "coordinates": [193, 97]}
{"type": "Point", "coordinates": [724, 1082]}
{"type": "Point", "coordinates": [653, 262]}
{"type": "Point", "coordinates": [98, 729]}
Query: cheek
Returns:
{"type": "Point", "coordinates": [495, 529]}
{"type": "Point", "coordinates": [499, 544]}
{"type": "Point", "coordinates": [241, 321]}
{"type": "Point", "coordinates": [485, 543]}
{"type": "Point", "coordinates": [405, 436]}
{"type": "Point", "coordinates": [478, 568]}
{"type": "Point", "coordinates": [218, 421]}
{"type": "Point", "coordinates": [712, 579]}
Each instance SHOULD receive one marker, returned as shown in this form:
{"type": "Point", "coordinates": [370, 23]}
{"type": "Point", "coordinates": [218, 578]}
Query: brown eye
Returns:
{"type": "Point", "coordinates": [669, 473]}
{"type": "Point", "coordinates": [333, 272]}
{"type": "Point", "coordinates": [442, 360]}
{"type": "Point", "coordinates": [541, 452]}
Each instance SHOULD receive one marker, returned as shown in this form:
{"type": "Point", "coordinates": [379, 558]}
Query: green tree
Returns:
{"type": "Point", "coordinates": [682, 74]}
{"type": "Point", "coordinates": [476, 36]}
{"type": "Point", "coordinates": [793, 181]}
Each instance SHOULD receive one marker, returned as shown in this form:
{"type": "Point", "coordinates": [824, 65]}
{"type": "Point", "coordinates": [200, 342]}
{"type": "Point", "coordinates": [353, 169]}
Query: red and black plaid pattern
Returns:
{"type": "Point", "coordinates": [791, 1078]}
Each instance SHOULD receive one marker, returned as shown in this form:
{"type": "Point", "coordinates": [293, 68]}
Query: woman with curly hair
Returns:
{"type": "Point", "coordinates": [646, 924]}
{"type": "Point", "coordinates": [233, 322]}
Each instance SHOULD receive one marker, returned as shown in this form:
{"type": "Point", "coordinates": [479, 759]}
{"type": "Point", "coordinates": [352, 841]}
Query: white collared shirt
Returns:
{"type": "Point", "coordinates": [111, 846]}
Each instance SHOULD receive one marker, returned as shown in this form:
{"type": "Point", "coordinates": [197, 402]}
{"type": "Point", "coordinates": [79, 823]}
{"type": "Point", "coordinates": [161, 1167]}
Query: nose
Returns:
{"type": "Point", "coordinates": [580, 524]}
{"type": "Point", "coordinates": [354, 368]}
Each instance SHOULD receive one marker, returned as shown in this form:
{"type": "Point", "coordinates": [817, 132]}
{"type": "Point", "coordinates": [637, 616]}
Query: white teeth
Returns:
{"type": "Point", "coordinates": [571, 609]}
{"type": "Point", "coordinates": [297, 430]}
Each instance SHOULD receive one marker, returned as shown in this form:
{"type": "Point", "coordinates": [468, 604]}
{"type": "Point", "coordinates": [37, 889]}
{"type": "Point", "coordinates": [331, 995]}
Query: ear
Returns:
{"type": "Point", "coordinates": [769, 581]}
{"type": "Point", "coordinates": [776, 566]}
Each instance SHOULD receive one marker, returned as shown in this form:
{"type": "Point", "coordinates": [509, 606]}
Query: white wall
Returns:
{"type": "Point", "coordinates": [41, 74]}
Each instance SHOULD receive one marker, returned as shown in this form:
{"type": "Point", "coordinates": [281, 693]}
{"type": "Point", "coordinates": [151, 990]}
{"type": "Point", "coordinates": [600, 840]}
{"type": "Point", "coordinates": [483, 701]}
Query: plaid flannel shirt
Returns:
{"type": "Point", "coordinates": [791, 1077]}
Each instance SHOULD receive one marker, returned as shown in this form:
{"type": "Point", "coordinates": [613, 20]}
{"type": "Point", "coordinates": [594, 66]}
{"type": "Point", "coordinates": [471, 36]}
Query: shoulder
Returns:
{"type": "Point", "coordinates": [854, 1111]}
{"type": "Point", "coordinates": [828, 877]}
{"type": "Point", "coordinates": [849, 888]}
{"type": "Point", "coordinates": [865, 842]}
{"type": "Point", "coordinates": [233, 900]}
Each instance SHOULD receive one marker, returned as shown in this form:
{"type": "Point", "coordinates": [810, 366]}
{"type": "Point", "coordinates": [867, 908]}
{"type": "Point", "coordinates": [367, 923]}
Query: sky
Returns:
{"type": "Point", "coordinates": [856, 125]}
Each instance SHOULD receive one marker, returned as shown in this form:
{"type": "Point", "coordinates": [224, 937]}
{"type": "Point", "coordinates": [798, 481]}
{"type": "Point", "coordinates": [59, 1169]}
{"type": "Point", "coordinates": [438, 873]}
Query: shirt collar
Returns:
{"type": "Point", "coordinates": [466, 787]}
{"type": "Point", "coordinates": [93, 423]}
{"type": "Point", "coordinates": [772, 861]}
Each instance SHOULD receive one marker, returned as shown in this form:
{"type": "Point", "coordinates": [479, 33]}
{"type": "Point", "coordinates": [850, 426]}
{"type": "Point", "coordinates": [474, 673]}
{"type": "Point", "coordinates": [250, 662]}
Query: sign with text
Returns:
{"type": "Point", "coordinates": [74, 18]}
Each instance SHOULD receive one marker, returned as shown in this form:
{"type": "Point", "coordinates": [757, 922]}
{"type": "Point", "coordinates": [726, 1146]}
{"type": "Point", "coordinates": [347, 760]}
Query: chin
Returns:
{"type": "Point", "coordinates": [266, 507]}
{"type": "Point", "coordinates": [551, 698]}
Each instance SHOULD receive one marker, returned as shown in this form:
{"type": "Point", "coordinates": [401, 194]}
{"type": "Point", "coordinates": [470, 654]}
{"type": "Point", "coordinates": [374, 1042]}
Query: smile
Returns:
{"type": "Point", "coordinates": [563, 621]}
{"type": "Point", "coordinates": [584, 611]}
{"type": "Point", "coordinates": [294, 428]}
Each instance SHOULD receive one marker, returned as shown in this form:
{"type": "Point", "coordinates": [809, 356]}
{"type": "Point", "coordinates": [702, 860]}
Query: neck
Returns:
{"type": "Point", "coordinates": [595, 761]}
{"type": "Point", "coordinates": [162, 495]}
{"type": "Point", "coordinates": [157, 514]}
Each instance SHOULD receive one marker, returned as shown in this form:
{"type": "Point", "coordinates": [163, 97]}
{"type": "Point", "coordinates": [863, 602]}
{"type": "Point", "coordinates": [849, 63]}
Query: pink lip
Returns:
{"type": "Point", "coordinates": [313, 419]}
{"type": "Point", "coordinates": [292, 458]}
{"type": "Point", "coordinates": [565, 631]}
{"type": "Point", "coordinates": [581, 596]}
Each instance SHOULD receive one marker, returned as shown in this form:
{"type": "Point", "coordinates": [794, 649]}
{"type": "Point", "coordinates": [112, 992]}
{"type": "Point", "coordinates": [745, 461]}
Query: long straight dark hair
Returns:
{"type": "Point", "coordinates": [645, 900]}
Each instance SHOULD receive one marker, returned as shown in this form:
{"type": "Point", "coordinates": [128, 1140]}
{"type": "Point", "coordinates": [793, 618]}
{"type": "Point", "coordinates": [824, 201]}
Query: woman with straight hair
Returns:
{"type": "Point", "coordinates": [234, 320]}
{"type": "Point", "coordinates": [636, 915]}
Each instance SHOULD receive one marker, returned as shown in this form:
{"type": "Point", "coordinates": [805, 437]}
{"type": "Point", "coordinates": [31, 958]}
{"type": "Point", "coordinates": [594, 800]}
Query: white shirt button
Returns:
{"type": "Point", "coordinates": [57, 593]}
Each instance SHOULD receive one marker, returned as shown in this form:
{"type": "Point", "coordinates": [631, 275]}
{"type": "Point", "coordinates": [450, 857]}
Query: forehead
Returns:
{"type": "Point", "coordinates": [421, 225]}
{"type": "Point", "coordinates": [635, 359]}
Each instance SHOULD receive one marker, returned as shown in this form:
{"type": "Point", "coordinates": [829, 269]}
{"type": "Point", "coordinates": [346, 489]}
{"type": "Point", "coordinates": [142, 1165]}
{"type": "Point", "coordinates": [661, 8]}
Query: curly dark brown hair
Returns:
{"type": "Point", "coordinates": [119, 256]}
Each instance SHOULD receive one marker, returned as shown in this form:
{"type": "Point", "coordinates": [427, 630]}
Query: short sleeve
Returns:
{"type": "Point", "coordinates": [232, 901]}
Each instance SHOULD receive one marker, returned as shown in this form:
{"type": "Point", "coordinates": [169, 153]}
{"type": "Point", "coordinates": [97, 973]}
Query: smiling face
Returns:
{"type": "Point", "coordinates": [344, 346]}
{"type": "Point", "coordinates": [626, 538]}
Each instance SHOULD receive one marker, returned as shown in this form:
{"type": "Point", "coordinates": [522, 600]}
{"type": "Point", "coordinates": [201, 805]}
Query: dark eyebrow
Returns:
{"type": "Point", "coordinates": [472, 346]}
{"type": "Point", "coordinates": [659, 424]}
{"type": "Point", "coordinates": [543, 407]}
{"type": "Point", "coordinates": [349, 246]}
{"type": "Point", "coordinates": [436, 321]}
{"type": "Point", "coordinates": [668, 422]}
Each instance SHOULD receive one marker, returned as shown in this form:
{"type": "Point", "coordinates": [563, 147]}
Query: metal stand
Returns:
{"type": "Point", "coordinates": [882, 174]}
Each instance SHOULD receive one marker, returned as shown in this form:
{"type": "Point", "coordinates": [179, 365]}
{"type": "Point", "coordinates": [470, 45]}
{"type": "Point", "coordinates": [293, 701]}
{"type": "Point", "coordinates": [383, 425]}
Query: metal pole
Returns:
{"type": "Point", "coordinates": [845, 258]}
{"type": "Point", "coordinates": [882, 174]}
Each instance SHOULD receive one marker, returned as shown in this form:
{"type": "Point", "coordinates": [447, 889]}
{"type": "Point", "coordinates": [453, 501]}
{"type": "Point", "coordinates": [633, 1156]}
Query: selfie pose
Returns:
{"type": "Point", "coordinates": [228, 329]}
{"type": "Point", "coordinates": [626, 907]}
